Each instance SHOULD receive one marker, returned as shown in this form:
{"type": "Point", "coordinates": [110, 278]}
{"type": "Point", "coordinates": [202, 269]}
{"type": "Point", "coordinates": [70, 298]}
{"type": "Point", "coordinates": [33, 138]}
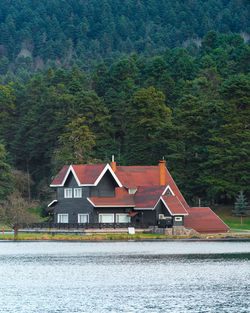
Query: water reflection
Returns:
{"type": "Point", "coordinates": [125, 277]}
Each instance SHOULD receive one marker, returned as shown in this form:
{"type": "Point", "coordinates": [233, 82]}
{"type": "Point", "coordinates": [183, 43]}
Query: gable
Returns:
{"type": "Point", "coordinates": [147, 197]}
{"type": "Point", "coordinates": [105, 187]}
{"type": "Point", "coordinates": [85, 175]}
{"type": "Point", "coordinates": [173, 205]}
{"type": "Point", "coordinates": [70, 181]}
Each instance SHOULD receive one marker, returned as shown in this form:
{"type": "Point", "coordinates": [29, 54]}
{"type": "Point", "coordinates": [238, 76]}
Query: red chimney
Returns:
{"type": "Point", "coordinates": [113, 164]}
{"type": "Point", "coordinates": [162, 169]}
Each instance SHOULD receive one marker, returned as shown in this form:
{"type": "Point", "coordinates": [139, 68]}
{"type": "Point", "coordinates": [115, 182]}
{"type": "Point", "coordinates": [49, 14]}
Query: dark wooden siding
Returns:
{"type": "Point", "coordinates": [74, 206]}
{"type": "Point", "coordinates": [105, 188]}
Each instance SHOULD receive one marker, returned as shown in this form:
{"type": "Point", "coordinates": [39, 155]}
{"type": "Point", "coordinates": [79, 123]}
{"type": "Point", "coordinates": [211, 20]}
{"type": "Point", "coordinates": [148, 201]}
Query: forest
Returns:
{"type": "Point", "coordinates": [83, 80]}
{"type": "Point", "coordinates": [41, 34]}
{"type": "Point", "coordinates": [191, 108]}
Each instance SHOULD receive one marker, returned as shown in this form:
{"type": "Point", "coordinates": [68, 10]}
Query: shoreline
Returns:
{"type": "Point", "coordinates": [124, 237]}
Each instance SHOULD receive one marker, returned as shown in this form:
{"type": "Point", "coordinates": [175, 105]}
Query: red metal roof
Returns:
{"type": "Point", "coordinates": [147, 196]}
{"type": "Point", "coordinates": [131, 176]}
{"type": "Point", "coordinates": [60, 176]}
{"type": "Point", "coordinates": [174, 205]}
{"type": "Point", "coordinates": [122, 198]}
{"type": "Point", "coordinates": [204, 220]}
{"type": "Point", "coordinates": [86, 174]}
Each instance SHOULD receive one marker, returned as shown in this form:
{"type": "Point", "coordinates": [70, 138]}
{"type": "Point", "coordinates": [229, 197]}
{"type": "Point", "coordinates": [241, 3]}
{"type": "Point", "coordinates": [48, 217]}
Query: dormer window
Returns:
{"type": "Point", "coordinates": [132, 191]}
{"type": "Point", "coordinates": [77, 192]}
{"type": "Point", "coordinates": [67, 192]}
{"type": "Point", "coordinates": [168, 192]}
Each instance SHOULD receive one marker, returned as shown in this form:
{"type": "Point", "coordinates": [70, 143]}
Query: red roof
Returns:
{"type": "Point", "coordinates": [204, 220]}
{"type": "Point", "coordinates": [86, 174]}
{"type": "Point", "coordinates": [146, 178]}
{"type": "Point", "coordinates": [146, 197]}
{"type": "Point", "coordinates": [131, 176]}
{"type": "Point", "coordinates": [174, 205]}
{"type": "Point", "coordinates": [122, 199]}
{"type": "Point", "coordinates": [60, 176]}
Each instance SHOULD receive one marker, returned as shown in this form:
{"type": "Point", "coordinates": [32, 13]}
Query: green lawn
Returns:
{"type": "Point", "coordinates": [225, 213]}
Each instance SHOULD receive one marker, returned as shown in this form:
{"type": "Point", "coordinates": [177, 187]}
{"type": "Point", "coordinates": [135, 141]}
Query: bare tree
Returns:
{"type": "Point", "coordinates": [14, 212]}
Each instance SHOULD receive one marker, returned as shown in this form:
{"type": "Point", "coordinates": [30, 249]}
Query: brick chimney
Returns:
{"type": "Point", "coordinates": [162, 169]}
{"type": "Point", "coordinates": [113, 163]}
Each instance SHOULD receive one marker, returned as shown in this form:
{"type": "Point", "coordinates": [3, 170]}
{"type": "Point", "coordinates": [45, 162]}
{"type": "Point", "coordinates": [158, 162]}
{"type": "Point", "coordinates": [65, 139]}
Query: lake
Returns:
{"type": "Point", "coordinates": [98, 277]}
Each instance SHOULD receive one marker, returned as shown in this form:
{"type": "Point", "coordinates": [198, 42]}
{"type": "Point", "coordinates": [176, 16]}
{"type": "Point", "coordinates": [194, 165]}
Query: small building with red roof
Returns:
{"type": "Point", "coordinates": [127, 195]}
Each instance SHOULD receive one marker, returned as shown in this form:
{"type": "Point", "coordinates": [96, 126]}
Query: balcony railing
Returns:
{"type": "Point", "coordinates": [81, 225]}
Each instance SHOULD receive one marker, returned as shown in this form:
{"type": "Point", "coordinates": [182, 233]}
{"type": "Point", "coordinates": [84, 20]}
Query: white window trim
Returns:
{"type": "Point", "coordinates": [178, 218]}
{"type": "Point", "coordinates": [59, 218]}
{"type": "Point", "coordinates": [161, 216]}
{"type": "Point", "coordinates": [117, 217]}
{"type": "Point", "coordinates": [85, 215]}
{"type": "Point", "coordinates": [132, 191]}
{"type": "Point", "coordinates": [76, 190]}
{"type": "Point", "coordinates": [103, 214]}
{"type": "Point", "coordinates": [65, 192]}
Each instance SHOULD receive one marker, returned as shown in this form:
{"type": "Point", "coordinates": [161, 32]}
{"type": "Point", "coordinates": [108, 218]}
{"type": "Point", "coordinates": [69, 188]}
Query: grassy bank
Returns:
{"type": "Point", "coordinates": [122, 237]}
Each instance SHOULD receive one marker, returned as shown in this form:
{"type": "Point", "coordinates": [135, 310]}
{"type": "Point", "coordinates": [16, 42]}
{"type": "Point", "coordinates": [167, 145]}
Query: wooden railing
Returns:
{"type": "Point", "coordinates": [81, 225]}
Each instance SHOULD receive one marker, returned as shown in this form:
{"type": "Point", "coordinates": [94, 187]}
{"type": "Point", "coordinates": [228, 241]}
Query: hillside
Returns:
{"type": "Point", "coordinates": [192, 108]}
{"type": "Point", "coordinates": [54, 33]}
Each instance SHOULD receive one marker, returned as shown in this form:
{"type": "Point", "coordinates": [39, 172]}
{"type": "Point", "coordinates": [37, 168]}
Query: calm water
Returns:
{"type": "Point", "coordinates": [174, 277]}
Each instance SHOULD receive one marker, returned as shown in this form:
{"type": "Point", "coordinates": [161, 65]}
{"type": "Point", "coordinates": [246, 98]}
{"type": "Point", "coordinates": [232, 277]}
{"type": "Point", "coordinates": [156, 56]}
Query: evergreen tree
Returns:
{"type": "Point", "coordinates": [148, 122]}
{"type": "Point", "coordinates": [75, 144]}
{"type": "Point", "coordinates": [240, 206]}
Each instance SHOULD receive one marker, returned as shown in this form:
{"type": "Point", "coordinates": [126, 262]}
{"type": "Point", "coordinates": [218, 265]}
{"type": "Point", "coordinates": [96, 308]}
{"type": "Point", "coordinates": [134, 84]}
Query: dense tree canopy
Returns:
{"type": "Point", "coordinates": [40, 34]}
{"type": "Point", "coordinates": [189, 105]}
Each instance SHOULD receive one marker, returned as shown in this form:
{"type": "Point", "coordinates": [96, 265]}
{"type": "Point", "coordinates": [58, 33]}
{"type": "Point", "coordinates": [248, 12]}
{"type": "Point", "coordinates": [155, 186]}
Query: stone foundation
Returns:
{"type": "Point", "coordinates": [174, 231]}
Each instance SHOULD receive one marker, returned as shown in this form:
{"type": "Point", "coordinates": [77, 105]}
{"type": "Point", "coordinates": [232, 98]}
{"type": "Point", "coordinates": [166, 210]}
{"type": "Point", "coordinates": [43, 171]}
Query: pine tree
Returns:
{"type": "Point", "coordinates": [76, 144]}
{"type": "Point", "coordinates": [240, 206]}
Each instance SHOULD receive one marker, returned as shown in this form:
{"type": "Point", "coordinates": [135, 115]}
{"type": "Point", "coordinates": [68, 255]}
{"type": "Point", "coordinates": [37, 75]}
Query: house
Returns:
{"type": "Point", "coordinates": [107, 193]}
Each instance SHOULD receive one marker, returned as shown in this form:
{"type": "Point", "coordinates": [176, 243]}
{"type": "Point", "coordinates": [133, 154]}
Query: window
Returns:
{"type": "Point", "coordinates": [168, 192]}
{"type": "Point", "coordinates": [106, 218]}
{"type": "Point", "coordinates": [77, 192]}
{"type": "Point", "coordinates": [178, 218]}
{"type": "Point", "coordinates": [132, 191]}
{"type": "Point", "coordinates": [83, 218]}
{"type": "Point", "coordinates": [68, 193]}
{"type": "Point", "coordinates": [62, 218]}
{"type": "Point", "coordinates": [122, 218]}
{"type": "Point", "coordinates": [161, 216]}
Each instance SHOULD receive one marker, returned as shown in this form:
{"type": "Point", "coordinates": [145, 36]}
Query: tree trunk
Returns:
{"type": "Point", "coordinates": [241, 220]}
{"type": "Point", "coordinates": [15, 232]}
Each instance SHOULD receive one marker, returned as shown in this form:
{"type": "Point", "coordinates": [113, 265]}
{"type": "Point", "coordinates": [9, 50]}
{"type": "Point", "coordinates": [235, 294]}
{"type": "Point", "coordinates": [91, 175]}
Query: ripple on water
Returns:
{"type": "Point", "coordinates": [174, 277]}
